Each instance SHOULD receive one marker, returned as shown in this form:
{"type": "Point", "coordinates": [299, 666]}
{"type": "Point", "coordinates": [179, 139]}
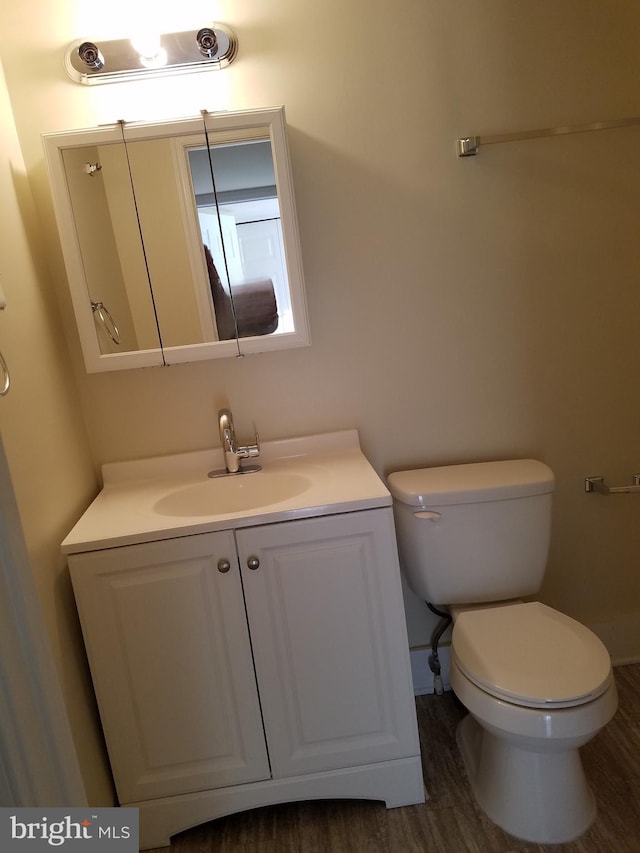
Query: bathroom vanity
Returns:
{"type": "Point", "coordinates": [246, 635]}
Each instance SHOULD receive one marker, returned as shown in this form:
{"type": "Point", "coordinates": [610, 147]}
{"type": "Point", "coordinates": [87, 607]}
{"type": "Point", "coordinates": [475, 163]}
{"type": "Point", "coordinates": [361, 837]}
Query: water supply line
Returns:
{"type": "Point", "coordinates": [434, 660]}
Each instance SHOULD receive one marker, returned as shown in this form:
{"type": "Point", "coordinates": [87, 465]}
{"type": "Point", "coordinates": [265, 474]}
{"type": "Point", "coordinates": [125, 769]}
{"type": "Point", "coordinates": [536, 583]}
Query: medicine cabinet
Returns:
{"type": "Point", "coordinates": [179, 238]}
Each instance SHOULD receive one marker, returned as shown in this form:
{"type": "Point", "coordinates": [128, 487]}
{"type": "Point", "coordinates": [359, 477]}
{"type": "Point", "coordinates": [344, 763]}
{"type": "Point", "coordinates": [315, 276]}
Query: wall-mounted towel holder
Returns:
{"type": "Point", "coordinates": [6, 378]}
{"type": "Point", "coordinates": [106, 321]}
{"type": "Point", "coordinates": [467, 146]}
{"type": "Point", "coordinates": [597, 484]}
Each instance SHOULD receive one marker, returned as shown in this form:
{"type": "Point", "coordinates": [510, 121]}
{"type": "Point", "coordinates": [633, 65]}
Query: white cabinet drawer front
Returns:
{"type": "Point", "coordinates": [168, 646]}
{"type": "Point", "coordinates": [329, 639]}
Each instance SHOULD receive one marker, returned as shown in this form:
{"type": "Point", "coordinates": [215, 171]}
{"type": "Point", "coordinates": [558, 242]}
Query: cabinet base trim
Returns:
{"type": "Point", "coordinates": [397, 783]}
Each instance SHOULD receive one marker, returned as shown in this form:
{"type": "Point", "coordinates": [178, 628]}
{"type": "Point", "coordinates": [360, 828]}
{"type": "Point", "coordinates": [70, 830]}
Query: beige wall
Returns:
{"type": "Point", "coordinates": [45, 441]}
{"type": "Point", "coordinates": [460, 309]}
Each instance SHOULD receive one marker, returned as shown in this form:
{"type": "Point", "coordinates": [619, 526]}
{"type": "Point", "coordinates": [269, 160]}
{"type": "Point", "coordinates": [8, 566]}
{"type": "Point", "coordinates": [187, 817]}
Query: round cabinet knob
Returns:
{"type": "Point", "coordinates": [253, 563]}
{"type": "Point", "coordinates": [223, 565]}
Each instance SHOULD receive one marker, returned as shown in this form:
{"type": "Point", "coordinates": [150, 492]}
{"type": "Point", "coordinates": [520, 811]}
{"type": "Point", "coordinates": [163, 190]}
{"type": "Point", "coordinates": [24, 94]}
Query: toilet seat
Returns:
{"type": "Point", "coordinates": [531, 655]}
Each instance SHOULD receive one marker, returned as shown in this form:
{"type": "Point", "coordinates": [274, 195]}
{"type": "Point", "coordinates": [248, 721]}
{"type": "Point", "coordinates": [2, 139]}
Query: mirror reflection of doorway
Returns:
{"type": "Point", "coordinates": [245, 199]}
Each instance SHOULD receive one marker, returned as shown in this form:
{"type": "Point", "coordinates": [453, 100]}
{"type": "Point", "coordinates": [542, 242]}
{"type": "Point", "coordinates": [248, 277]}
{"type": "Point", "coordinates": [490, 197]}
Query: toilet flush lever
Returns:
{"type": "Point", "coordinates": [428, 514]}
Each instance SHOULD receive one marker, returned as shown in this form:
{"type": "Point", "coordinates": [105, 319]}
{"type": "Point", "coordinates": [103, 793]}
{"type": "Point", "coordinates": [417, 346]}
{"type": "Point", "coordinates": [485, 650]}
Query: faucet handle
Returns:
{"type": "Point", "coordinates": [250, 450]}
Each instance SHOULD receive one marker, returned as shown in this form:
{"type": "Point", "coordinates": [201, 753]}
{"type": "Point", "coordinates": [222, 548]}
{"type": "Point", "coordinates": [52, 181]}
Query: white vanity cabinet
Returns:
{"type": "Point", "coordinates": [246, 667]}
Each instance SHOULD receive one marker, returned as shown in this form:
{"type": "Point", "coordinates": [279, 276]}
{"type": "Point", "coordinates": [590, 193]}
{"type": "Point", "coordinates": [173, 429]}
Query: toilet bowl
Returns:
{"type": "Point", "coordinates": [538, 686]}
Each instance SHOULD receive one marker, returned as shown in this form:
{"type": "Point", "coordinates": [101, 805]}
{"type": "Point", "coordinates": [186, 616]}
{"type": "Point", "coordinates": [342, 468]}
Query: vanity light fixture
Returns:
{"type": "Point", "coordinates": [214, 46]}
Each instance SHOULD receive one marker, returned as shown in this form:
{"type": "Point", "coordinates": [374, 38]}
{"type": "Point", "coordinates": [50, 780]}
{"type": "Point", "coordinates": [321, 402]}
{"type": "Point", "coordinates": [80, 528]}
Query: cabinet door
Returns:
{"type": "Point", "coordinates": [329, 639]}
{"type": "Point", "coordinates": [167, 641]}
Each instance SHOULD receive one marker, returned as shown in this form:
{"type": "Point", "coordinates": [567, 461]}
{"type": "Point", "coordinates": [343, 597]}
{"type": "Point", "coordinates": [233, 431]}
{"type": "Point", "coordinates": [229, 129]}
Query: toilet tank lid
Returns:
{"type": "Point", "coordinates": [471, 483]}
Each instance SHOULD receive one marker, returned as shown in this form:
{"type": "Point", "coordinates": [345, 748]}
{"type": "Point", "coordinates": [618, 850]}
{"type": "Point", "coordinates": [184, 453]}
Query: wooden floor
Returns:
{"type": "Point", "coordinates": [449, 822]}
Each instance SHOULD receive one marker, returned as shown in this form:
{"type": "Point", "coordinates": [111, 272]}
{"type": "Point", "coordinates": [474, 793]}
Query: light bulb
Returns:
{"type": "Point", "coordinates": [152, 54]}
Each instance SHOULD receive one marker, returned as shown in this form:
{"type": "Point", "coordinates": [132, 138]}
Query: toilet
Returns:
{"type": "Point", "coordinates": [537, 684]}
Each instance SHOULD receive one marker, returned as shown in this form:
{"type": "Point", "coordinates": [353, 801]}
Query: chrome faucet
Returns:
{"type": "Point", "coordinates": [233, 452]}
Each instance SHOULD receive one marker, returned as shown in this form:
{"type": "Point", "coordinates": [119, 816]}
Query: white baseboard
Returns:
{"type": "Point", "coordinates": [422, 675]}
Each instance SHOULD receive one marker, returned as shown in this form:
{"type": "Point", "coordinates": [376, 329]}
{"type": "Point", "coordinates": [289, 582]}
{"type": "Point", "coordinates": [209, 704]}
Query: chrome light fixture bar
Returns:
{"type": "Point", "coordinates": [88, 62]}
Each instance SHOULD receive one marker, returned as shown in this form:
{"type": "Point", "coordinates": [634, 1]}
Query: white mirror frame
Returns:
{"type": "Point", "coordinates": [249, 124]}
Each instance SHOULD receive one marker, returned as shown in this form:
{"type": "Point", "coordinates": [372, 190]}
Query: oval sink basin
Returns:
{"type": "Point", "coordinates": [239, 493]}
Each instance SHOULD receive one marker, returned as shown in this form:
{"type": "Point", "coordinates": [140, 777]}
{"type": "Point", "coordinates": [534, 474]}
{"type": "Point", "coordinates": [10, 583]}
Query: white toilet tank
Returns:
{"type": "Point", "coordinates": [476, 532]}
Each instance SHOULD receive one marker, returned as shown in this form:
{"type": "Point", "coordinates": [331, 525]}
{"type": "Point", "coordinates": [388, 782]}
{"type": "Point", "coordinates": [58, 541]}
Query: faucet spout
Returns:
{"type": "Point", "coordinates": [228, 440]}
{"type": "Point", "coordinates": [233, 452]}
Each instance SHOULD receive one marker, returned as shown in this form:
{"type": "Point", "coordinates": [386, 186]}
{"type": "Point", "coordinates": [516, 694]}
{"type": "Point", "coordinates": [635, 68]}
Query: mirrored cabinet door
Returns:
{"type": "Point", "coordinates": [104, 254]}
{"type": "Point", "coordinates": [176, 263]}
{"type": "Point", "coordinates": [116, 280]}
{"type": "Point", "coordinates": [239, 217]}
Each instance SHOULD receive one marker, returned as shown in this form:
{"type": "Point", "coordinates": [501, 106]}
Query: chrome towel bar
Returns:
{"type": "Point", "coordinates": [467, 146]}
{"type": "Point", "coordinates": [597, 484]}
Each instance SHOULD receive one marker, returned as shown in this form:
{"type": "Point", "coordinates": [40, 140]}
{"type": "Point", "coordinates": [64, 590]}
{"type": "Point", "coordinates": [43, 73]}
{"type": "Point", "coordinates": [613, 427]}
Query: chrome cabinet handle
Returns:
{"type": "Point", "coordinates": [253, 563]}
{"type": "Point", "coordinates": [223, 565]}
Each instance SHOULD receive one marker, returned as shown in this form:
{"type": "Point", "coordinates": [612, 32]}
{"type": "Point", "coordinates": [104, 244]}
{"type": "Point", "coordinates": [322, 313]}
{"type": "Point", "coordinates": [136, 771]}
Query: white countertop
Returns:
{"type": "Point", "coordinates": [330, 470]}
